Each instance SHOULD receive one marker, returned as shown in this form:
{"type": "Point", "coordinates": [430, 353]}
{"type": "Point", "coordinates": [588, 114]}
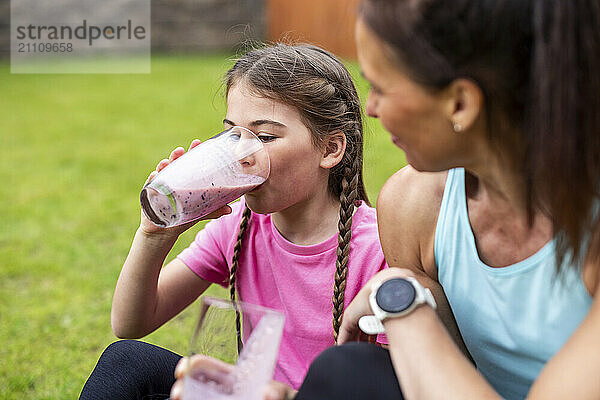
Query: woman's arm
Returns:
{"type": "Point", "coordinates": [427, 361]}
{"type": "Point", "coordinates": [573, 372]}
{"type": "Point", "coordinates": [407, 210]}
{"type": "Point", "coordinates": [429, 365]}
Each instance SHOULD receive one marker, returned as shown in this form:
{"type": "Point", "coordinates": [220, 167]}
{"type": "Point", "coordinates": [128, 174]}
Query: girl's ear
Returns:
{"type": "Point", "coordinates": [463, 104]}
{"type": "Point", "coordinates": [334, 148]}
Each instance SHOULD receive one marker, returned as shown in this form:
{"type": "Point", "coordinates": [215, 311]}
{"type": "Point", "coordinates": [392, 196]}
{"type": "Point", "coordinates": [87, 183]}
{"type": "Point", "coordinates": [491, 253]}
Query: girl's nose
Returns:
{"type": "Point", "coordinates": [248, 161]}
{"type": "Point", "coordinates": [248, 148]}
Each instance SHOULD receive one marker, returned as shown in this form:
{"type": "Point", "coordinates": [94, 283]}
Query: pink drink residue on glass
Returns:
{"type": "Point", "coordinates": [192, 204]}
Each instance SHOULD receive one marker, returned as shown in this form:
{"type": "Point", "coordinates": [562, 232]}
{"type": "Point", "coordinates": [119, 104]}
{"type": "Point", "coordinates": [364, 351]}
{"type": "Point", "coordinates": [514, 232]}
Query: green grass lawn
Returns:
{"type": "Point", "coordinates": [75, 150]}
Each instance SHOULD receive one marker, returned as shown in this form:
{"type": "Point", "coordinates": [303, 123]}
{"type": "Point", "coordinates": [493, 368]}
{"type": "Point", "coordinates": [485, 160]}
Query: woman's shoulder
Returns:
{"type": "Point", "coordinates": [409, 191]}
{"type": "Point", "coordinates": [407, 211]}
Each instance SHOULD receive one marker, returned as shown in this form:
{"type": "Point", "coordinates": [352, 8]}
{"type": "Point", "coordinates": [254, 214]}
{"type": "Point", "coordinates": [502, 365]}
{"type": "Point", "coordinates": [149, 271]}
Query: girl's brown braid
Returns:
{"type": "Point", "coordinates": [234, 267]}
{"type": "Point", "coordinates": [348, 196]}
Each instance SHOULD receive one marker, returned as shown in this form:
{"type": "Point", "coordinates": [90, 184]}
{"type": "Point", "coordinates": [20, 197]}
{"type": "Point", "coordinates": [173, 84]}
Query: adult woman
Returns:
{"type": "Point", "coordinates": [496, 105]}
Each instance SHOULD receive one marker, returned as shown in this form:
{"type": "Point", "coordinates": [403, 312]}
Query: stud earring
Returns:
{"type": "Point", "coordinates": [457, 127]}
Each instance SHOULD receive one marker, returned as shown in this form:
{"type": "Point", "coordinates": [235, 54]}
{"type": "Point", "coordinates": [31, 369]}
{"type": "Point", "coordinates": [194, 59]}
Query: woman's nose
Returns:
{"type": "Point", "coordinates": [371, 106]}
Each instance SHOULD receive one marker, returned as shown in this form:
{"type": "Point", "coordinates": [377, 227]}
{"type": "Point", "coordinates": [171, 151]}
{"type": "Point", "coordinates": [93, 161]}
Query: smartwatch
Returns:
{"type": "Point", "coordinates": [393, 298]}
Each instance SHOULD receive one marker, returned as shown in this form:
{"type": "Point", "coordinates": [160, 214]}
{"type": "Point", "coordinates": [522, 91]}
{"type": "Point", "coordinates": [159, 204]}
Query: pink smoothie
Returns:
{"type": "Point", "coordinates": [184, 205]}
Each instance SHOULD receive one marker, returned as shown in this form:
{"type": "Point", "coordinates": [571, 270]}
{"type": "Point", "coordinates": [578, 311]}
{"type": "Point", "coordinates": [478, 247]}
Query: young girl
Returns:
{"type": "Point", "coordinates": [304, 236]}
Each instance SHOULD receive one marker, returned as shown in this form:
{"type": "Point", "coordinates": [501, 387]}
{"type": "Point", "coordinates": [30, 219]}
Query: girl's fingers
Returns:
{"type": "Point", "coordinates": [210, 363]}
{"type": "Point", "coordinates": [201, 361]}
{"type": "Point", "coordinates": [175, 154]}
{"type": "Point", "coordinates": [181, 367]}
{"type": "Point", "coordinates": [162, 164]}
{"type": "Point", "coordinates": [213, 368]}
{"type": "Point", "coordinates": [219, 213]}
{"type": "Point", "coordinates": [176, 390]}
{"type": "Point", "coordinates": [278, 391]}
{"type": "Point", "coordinates": [150, 177]}
{"type": "Point", "coordinates": [194, 143]}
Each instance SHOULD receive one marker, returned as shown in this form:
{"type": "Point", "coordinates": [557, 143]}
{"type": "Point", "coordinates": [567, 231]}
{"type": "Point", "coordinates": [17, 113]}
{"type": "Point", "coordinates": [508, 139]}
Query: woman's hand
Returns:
{"type": "Point", "coordinates": [149, 228]}
{"type": "Point", "coordinates": [349, 330]}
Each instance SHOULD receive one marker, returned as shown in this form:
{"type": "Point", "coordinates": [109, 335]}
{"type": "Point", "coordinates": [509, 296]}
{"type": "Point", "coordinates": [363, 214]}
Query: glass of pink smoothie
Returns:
{"type": "Point", "coordinates": [206, 178]}
{"type": "Point", "coordinates": [220, 367]}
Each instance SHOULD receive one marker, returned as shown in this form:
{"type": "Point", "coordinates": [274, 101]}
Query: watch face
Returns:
{"type": "Point", "coordinates": [395, 295]}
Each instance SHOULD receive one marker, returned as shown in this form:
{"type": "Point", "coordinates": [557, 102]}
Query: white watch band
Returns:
{"type": "Point", "coordinates": [372, 324]}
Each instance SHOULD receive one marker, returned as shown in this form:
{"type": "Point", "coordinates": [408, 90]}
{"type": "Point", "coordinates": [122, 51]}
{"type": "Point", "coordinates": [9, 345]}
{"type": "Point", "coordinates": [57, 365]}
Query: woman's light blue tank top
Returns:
{"type": "Point", "coordinates": [514, 318]}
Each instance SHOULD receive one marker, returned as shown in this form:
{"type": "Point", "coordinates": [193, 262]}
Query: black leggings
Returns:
{"type": "Point", "coordinates": [129, 369]}
{"type": "Point", "coordinates": [351, 371]}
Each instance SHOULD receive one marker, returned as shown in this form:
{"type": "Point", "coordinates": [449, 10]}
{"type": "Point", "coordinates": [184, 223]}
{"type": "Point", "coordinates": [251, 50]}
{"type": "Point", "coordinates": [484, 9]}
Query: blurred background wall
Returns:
{"type": "Point", "coordinates": [205, 25]}
{"type": "Point", "coordinates": [327, 23]}
{"type": "Point", "coordinates": [183, 26]}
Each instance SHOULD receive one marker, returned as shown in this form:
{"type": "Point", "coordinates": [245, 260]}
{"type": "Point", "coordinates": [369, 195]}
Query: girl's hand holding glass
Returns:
{"type": "Point", "coordinates": [274, 391]}
{"type": "Point", "coordinates": [230, 361]}
{"type": "Point", "coordinates": [190, 186]}
{"type": "Point", "coordinates": [151, 229]}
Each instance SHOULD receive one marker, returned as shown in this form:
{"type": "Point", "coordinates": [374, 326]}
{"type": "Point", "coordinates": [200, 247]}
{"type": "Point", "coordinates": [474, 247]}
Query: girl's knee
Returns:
{"type": "Point", "coordinates": [347, 355]}
{"type": "Point", "coordinates": [122, 351]}
{"type": "Point", "coordinates": [338, 362]}
{"type": "Point", "coordinates": [351, 371]}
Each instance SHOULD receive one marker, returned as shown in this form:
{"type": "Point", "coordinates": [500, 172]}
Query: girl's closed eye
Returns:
{"type": "Point", "coordinates": [266, 137]}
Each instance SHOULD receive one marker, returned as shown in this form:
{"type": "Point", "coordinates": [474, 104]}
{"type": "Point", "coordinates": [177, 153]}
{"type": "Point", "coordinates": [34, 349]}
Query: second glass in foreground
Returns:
{"type": "Point", "coordinates": [219, 373]}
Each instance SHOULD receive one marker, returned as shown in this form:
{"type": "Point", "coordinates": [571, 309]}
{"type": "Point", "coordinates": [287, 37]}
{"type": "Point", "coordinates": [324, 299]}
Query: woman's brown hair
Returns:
{"type": "Point", "coordinates": [319, 86]}
{"type": "Point", "coordinates": [537, 63]}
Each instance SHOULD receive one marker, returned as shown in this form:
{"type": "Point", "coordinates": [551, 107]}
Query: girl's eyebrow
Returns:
{"type": "Point", "coordinates": [258, 122]}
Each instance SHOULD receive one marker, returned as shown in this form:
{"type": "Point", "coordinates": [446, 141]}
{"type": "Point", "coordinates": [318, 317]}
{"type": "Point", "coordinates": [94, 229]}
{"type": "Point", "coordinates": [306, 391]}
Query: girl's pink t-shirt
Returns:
{"type": "Point", "coordinates": [296, 280]}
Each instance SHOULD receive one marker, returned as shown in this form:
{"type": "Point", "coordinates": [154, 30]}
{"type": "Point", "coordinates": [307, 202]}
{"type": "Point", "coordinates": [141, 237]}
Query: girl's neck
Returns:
{"type": "Point", "coordinates": [310, 221]}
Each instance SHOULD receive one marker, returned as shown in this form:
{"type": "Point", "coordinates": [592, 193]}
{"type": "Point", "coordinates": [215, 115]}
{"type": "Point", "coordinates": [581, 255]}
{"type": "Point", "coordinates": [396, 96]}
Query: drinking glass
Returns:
{"type": "Point", "coordinates": [212, 174]}
{"type": "Point", "coordinates": [230, 363]}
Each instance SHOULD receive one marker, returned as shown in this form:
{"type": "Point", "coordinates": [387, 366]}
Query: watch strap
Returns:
{"type": "Point", "coordinates": [372, 324]}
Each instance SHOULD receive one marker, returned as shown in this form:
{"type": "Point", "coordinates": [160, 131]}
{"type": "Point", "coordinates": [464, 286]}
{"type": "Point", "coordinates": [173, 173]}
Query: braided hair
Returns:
{"type": "Point", "coordinates": [320, 87]}
{"type": "Point", "coordinates": [233, 270]}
